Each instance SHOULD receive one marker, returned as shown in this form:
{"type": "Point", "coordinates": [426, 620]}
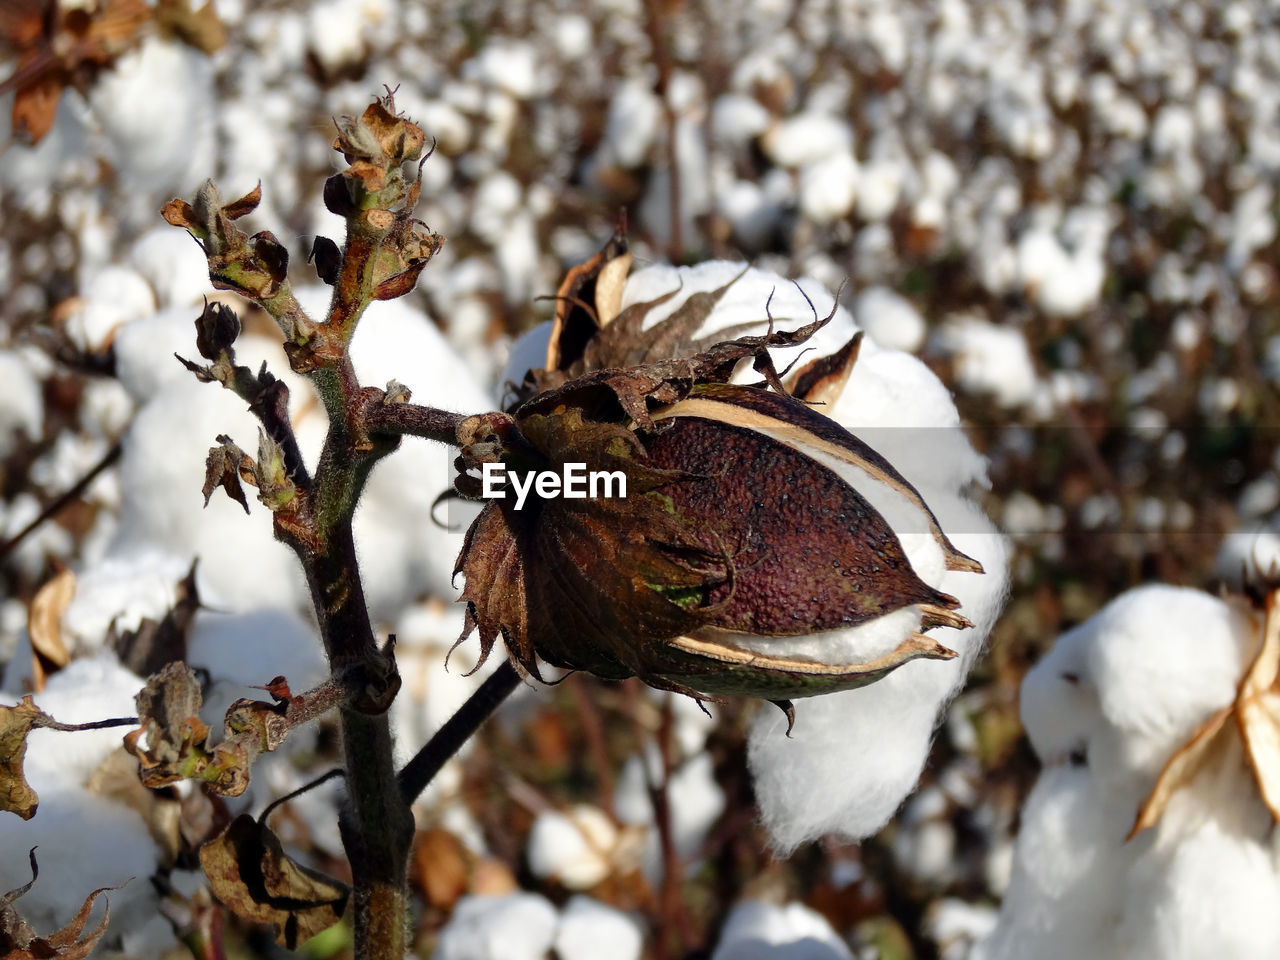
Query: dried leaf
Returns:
{"type": "Point", "coordinates": [199, 28]}
{"type": "Point", "coordinates": [250, 873]}
{"type": "Point", "coordinates": [1259, 720]}
{"type": "Point", "coordinates": [16, 722]}
{"type": "Point", "coordinates": [1182, 768]}
{"type": "Point", "coordinates": [44, 626]}
{"type": "Point", "coordinates": [224, 468]}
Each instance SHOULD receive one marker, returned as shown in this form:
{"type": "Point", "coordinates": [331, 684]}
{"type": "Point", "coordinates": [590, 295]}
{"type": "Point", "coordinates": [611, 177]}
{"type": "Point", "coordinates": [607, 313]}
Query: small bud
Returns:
{"type": "Point", "coordinates": [216, 330]}
{"type": "Point", "coordinates": [327, 259]}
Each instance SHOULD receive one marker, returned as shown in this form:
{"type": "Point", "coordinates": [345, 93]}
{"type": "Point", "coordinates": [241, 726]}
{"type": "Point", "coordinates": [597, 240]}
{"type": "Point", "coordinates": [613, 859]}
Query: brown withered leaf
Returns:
{"type": "Point", "coordinates": [250, 873]}
{"type": "Point", "coordinates": [44, 626]}
{"type": "Point", "coordinates": [16, 722]}
{"type": "Point", "coordinates": [18, 941]}
{"type": "Point", "coordinates": [196, 27]}
{"type": "Point", "coordinates": [224, 468]}
{"type": "Point", "coordinates": [1258, 710]}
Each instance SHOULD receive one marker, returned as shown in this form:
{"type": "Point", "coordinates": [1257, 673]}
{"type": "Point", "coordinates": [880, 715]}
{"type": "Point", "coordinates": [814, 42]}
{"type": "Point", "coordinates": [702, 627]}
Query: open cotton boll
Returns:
{"type": "Point", "coordinates": [109, 298]}
{"type": "Point", "coordinates": [990, 359]}
{"type": "Point", "coordinates": [156, 106]}
{"type": "Point", "coordinates": [121, 589]}
{"type": "Point", "coordinates": [764, 931]}
{"type": "Point", "coordinates": [519, 926]}
{"type": "Point", "coordinates": [590, 930]}
{"type": "Point", "coordinates": [579, 848]}
{"type": "Point", "coordinates": [145, 348]}
{"type": "Point", "coordinates": [1059, 704]}
{"type": "Point", "coordinates": [1162, 659]}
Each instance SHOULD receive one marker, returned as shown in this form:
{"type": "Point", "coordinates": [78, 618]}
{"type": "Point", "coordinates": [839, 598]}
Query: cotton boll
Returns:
{"type": "Point", "coordinates": [1162, 659]}
{"type": "Point", "coordinates": [737, 118]}
{"type": "Point", "coordinates": [631, 124]}
{"type": "Point", "coordinates": [589, 930]}
{"type": "Point", "coordinates": [807, 138]}
{"type": "Point", "coordinates": [21, 402]}
{"type": "Point", "coordinates": [574, 848]}
{"type": "Point", "coordinates": [520, 926]}
{"type": "Point", "coordinates": [1248, 554]}
{"type": "Point", "coordinates": [122, 590]}
{"type": "Point", "coordinates": [990, 359]}
{"type": "Point", "coordinates": [889, 319]}
{"type": "Point", "coordinates": [757, 930]}
{"type": "Point", "coordinates": [178, 272]}
{"type": "Point", "coordinates": [508, 65]}
{"type": "Point", "coordinates": [110, 298]}
{"type": "Point", "coordinates": [156, 107]}
{"type": "Point", "coordinates": [828, 187]}
{"type": "Point", "coordinates": [879, 187]}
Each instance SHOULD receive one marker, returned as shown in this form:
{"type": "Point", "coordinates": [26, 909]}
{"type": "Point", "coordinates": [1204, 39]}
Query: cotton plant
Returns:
{"type": "Point", "coordinates": [744, 543]}
{"type": "Point", "coordinates": [1150, 832]}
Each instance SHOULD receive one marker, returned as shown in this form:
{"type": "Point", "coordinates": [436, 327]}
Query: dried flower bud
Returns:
{"type": "Point", "coordinates": [748, 520]}
{"type": "Point", "coordinates": [216, 330]}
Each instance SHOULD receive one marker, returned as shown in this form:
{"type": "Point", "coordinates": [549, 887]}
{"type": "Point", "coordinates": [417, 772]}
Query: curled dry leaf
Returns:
{"type": "Point", "coordinates": [19, 942]}
{"type": "Point", "coordinates": [16, 722]}
{"type": "Point", "coordinates": [250, 873]}
{"type": "Point", "coordinates": [44, 626]}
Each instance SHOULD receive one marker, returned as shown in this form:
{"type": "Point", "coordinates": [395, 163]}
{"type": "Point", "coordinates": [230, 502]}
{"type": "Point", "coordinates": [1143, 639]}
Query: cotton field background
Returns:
{"type": "Point", "coordinates": [1056, 223]}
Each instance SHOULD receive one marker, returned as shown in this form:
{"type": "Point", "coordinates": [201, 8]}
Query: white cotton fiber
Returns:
{"type": "Point", "coordinates": [162, 471]}
{"type": "Point", "coordinates": [519, 926]}
{"type": "Point", "coordinates": [21, 401]}
{"type": "Point", "coordinates": [574, 848]}
{"type": "Point", "coordinates": [1213, 894]}
{"type": "Point", "coordinates": [1064, 899]}
{"type": "Point", "coordinates": [764, 931]}
{"type": "Point", "coordinates": [590, 930]}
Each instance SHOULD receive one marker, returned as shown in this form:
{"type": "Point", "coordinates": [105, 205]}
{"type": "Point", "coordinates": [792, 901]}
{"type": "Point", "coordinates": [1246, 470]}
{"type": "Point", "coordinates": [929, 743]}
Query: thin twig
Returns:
{"type": "Point", "coordinates": [412, 419]}
{"type": "Point", "coordinates": [56, 506]}
{"type": "Point", "coordinates": [48, 723]}
{"type": "Point", "coordinates": [310, 785]}
{"type": "Point", "coordinates": [420, 771]}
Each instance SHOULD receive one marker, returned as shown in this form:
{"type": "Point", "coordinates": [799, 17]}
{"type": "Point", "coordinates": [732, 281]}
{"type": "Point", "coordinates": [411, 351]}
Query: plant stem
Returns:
{"type": "Point", "coordinates": [419, 771]}
{"type": "Point", "coordinates": [414, 420]}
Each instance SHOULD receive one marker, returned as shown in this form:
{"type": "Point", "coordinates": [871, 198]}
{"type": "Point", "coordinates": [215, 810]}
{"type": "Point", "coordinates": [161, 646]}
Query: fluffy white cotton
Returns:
{"type": "Point", "coordinates": [575, 848]}
{"type": "Point", "coordinates": [109, 299]}
{"type": "Point", "coordinates": [807, 138]}
{"type": "Point", "coordinates": [520, 926]}
{"type": "Point", "coordinates": [828, 187]}
{"type": "Point", "coordinates": [990, 359]}
{"type": "Point", "coordinates": [589, 930]}
{"type": "Point", "coordinates": [175, 267]}
{"type": "Point", "coordinates": [1106, 709]}
{"type": "Point", "coordinates": [764, 931]}
{"type": "Point", "coordinates": [162, 471]}
{"type": "Point", "coordinates": [889, 319]}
